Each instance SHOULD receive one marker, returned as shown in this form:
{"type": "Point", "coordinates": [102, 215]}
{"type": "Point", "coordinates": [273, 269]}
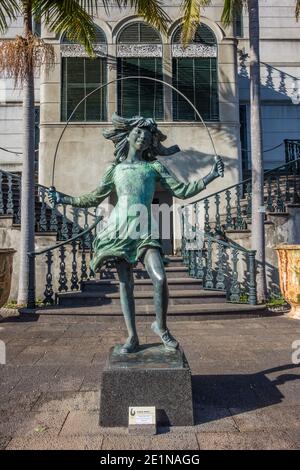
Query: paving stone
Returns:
{"type": "Point", "coordinates": [4, 441]}
{"type": "Point", "coordinates": [56, 443]}
{"type": "Point", "coordinates": [45, 422]}
{"type": "Point", "coordinates": [159, 442]}
{"type": "Point", "coordinates": [92, 377]}
{"type": "Point", "coordinates": [81, 422]}
{"type": "Point", "coordinates": [35, 378]}
{"type": "Point", "coordinates": [258, 440]}
{"type": "Point", "coordinates": [11, 422]}
{"type": "Point", "coordinates": [294, 434]}
{"type": "Point", "coordinates": [213, 419]}
{"type": "Point", "coordinates": [68, 401]}
{"type": "Point", "coordinates": [14, 401]}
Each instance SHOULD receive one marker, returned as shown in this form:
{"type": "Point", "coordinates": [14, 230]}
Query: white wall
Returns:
{"type": "Point", "coordinates": [280, 57]}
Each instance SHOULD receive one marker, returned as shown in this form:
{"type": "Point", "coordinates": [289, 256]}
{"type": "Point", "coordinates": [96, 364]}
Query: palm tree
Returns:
{"type": "Point", "coordinates": [231, 8]}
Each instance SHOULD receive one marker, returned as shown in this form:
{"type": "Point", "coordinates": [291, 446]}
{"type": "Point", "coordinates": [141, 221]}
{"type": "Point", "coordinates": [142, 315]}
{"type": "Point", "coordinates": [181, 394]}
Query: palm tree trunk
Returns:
{"type": "Point", "coordinates": [27, 196]}
{"type": "Point", "coordinates": [258, 229]}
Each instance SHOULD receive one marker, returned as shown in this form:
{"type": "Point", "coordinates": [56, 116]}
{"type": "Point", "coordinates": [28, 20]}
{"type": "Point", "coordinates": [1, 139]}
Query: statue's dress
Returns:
{"type": "Point", "coordinates": [131, 229]}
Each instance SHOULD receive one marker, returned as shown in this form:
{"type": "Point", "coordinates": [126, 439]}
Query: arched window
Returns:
{"type": "Point", "coordinates": [195, 75]}
{"type": "Point", "coordinates": [139, 53]}
{"type": "Point", "coordinates": [80, 76]}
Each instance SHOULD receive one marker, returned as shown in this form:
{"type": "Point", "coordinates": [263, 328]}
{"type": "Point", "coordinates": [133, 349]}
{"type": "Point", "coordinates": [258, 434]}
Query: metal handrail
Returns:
{"type": "Point", "coordinates": [32, 255]}
{"type": "Point", "coordinates": [229, 244]}
{"type": "Point", "coordinates": [250, 254]}
{"type": "Point", "coordinates": [46, 188]}
{"type": "Point", "coordinates": [248, 180]}
{"type": "Point", "coordinates": [70, 240]}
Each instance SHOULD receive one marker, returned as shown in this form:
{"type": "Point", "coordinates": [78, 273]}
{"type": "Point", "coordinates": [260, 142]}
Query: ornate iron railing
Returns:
{"type": "Point", "coordinates": [230, 208]}
{"type": "Point", "coordinates": [71, 259]}
{"type": "Point", "coordinates": [292, 150]}
{"type": "Point", "coordinates": [63, 221]}
{"type": "Point", "coordinates": [220, 265]}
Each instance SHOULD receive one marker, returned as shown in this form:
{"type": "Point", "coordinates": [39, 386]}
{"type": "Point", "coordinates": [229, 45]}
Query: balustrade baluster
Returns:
{"type": "Point", "coordinates": [207, 228]}
{"type": "Point", "coordinates": [62, 281]}
{"type": "Point", "coordinates": [228, 209]}
{"type": "Point", "coordinates": [234, 288]}
{"type": "Point", "coordinates": [287, 188]}
{"type": "Point", "coordinates": [295, 195]}
{"type": "Point", "coordinates": [75, 225]}
{"type": "Point", "coordinates": [85, 239]}
{"type": "Point", "coordinates": [183, 250]}
{"type": "Point", "coordinates": [280, 205]}
{"type": "Point", "coordinates": [189, 261]}
{"type": "Point", "coordinates": [249, 200]}
{"type": "Point", "coordinates": [197, 216]}
{"type": "Point", "coordinates": [85, 218]}
{"type": "Point", "coordinates": [269, 195]}
{"type": "Point", "coordinates": [84, 275]}
{"type": "Point", "coordinates": [200, 266]}
{"type": "Point", "coordinates": [64, 227]}
{"type": "Point", "coordinates": [18, 215]}
{"type": "Point", "coordinates": [48, 293]}
{"type": "Point", "coordinates": [209, 278]}
{"type": "Point", "coordinates": [218, 227]}
{"type": "Point", "coordinates": [74, 275]}
{"type": "Point", "coordinates": [53, 219]}
{"type": "Point", "coordinates": [193, 263]}
{"type": "Point", "coordinates": [10, 201]}
{"type": "Point", "coordinates": [239, 223]}
{"type": "Point", "coordinates": [220, 278]}
{"type": "Point", "coordinates": [252, 278]}
{"type": "Point", "coordinates": [1, 194]}
{"type": "Point", "coordinates": [43, 218]}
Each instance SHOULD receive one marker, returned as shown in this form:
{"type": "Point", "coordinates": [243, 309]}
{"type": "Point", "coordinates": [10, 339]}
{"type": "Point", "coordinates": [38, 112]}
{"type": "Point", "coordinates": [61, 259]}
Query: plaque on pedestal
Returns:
{"type": "Point", "coordinates": [153, 376]}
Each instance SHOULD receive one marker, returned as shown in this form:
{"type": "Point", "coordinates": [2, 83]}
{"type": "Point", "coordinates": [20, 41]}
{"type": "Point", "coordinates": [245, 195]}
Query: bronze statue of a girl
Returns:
{"type": "Point", "coordinates": [134, 176]}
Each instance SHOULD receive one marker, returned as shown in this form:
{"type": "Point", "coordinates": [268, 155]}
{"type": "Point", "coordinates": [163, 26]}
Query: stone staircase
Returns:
{"type": "Point", "coordinates": [187, 298]}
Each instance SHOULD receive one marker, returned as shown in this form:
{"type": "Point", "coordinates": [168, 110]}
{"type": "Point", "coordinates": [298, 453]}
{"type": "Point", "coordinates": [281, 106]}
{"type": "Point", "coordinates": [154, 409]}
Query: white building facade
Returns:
{"type": "Point", "coordinates": [212, 73]}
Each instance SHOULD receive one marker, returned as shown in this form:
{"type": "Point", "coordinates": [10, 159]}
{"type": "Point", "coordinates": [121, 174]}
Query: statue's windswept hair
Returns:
{"type": "Point", "coordinates": [119, 136]}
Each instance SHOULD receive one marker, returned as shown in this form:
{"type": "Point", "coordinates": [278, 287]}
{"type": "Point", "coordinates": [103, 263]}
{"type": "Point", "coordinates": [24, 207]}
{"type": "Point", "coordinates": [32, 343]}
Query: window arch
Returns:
{"type": "Point", "coordinates": [100, 37]}
{"type": "Point", "coordinates": [139, 33]}
{"type": "Point", "coordinates": [203, 35]}
{"type": "Point", "coordinates": [80, 76]}
{"type": "Point", "coordinates": [139, 53]}
{"type": "Point", "coordinates": [195, 74]}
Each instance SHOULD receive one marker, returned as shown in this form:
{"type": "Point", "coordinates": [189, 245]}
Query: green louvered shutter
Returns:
{"type": "Point", "coordinates": [196, 78]}
{"type": "Point", "coordinates": [140, 96]}
{"type": "Point", "coordinates": [80, 76]}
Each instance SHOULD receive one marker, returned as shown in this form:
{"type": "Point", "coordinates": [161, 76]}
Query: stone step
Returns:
{"type": "Point", "coordinates": [109, 285]}
{"type": "Point", "coordinates": [173, 272]}
{"type": "Point", "coordinates": [176, 297]}
{"type": "Point", "coordinates": [211, 311]}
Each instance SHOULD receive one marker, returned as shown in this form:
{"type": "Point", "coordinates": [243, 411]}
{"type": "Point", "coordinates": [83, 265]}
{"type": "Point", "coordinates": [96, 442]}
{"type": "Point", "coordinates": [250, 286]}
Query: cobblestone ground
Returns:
{"type": "Point", "coordinates": [246, 388]}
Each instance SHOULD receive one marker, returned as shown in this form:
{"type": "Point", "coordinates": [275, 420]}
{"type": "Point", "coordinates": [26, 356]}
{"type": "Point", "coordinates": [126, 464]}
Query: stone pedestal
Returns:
{"type": "Point", "coordinates": [150, 377]}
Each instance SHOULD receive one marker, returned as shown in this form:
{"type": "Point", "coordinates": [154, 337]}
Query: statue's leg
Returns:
{"type": "Point", "coordinates": [125, 273]}
{"type": "Point", "coordinates": [155, 267]}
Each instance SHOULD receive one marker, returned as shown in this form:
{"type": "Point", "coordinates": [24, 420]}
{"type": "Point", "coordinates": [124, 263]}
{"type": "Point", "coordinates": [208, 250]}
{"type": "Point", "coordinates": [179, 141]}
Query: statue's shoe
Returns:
{"type": "Point", "coordinates": [169, 341]}
{"type": "Point", "coordinates": [131, 346]}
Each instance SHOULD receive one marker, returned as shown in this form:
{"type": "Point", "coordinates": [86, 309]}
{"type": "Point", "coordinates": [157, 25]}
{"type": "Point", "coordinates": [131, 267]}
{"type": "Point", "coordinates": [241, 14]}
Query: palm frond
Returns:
{"type": "Point", "coordinates": [151, 10]}
{"type": "Point", "coordinates": [297, 10]}
{"type": "Point", "coordinates": [191, 18]}
{"type": "Point", "coordinates": [231, 9]}
{"type": "Point", "coordinates": [19, 55]}
{"type": "Point", "coordinates": [72, 17]}
{"type": "Point", "coordinates": [9, 11]}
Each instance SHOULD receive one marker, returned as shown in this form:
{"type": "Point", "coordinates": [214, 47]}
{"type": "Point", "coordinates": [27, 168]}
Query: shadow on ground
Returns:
{"type": "Point", "coordinates": [217, 396]}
